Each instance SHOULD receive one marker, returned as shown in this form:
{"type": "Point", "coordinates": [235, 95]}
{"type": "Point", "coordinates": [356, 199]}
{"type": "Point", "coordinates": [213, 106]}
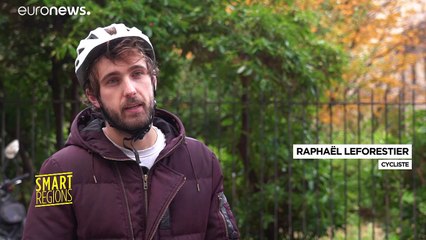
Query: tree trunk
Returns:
{"type": "Point", "coordinates": [75, 98]}
{"type": "Point", "coordinates": [244, 139]}
{"type": "Point", "coordinates": [58, 107]}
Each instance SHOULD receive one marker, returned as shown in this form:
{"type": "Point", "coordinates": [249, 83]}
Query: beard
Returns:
{"type": "Point", "coordinates": [140, 122]}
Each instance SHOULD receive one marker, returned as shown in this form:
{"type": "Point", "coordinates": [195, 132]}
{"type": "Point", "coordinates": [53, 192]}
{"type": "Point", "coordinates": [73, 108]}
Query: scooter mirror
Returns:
{"type": "Point", "coordinates": [12, 149]}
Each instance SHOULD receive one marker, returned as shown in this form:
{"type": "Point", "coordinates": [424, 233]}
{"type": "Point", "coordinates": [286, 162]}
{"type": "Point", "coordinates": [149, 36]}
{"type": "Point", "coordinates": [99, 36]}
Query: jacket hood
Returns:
{"type": "Point", "coordinates": [86, 132]}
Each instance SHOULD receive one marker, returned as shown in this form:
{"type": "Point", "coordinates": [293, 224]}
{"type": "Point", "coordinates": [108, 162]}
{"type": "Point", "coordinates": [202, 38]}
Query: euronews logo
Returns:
{"type": "Point", "coordinates": [52, 11]}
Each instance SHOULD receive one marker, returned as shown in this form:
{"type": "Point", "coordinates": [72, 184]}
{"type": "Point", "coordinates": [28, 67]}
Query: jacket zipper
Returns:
{"type": "Point", "coordinates": [163, 211]}
{"type": "Point", "coordinates": [145, 180]}
{"type": "Point", "coordinates": [144, 172]}
{"type": "Point", "coordinates": [127, 202]}
{"type": "Point", "coordinates": [145, 176]}
{"type": "Point", "coordinates": [223, 218]}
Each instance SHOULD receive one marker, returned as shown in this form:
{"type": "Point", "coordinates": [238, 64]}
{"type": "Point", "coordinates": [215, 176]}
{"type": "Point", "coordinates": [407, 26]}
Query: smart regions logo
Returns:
{"type": "Point", "coordinates": [53, 189]}
{"type": "Point", "coordinates": [52, 11]}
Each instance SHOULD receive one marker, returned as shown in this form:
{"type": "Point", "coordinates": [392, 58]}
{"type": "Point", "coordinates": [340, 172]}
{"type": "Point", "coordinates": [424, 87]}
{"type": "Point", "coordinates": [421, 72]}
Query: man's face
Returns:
{"type": "Point", "coordinates": [126, 91]}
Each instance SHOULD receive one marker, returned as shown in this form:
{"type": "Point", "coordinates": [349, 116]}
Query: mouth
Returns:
{"type": "Point", "coordinates": [136, 107]}
{"type": "Point", "coordinates": [132, 106]}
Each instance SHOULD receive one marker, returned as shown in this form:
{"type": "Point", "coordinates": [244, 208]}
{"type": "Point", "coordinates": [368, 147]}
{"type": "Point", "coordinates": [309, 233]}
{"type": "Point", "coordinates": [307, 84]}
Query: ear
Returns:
{"type": "Point", "coordinates": [92, 98]}
{"type": "Point", "coordinates": [154, 83]}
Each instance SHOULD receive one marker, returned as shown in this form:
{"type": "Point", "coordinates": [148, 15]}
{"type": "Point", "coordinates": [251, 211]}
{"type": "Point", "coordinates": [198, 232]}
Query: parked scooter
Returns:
{"type": "Point", "coordinates": [12, 212]}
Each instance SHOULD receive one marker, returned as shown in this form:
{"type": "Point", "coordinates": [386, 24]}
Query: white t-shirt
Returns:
{"type": "Point", "coordinates": [146, 156]}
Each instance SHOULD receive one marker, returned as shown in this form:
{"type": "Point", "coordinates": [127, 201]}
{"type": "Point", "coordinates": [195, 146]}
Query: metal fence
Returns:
{"type": "Point", "coordinates": [295, 199]}
{"type": "Point", "coordinates": [380, 205]}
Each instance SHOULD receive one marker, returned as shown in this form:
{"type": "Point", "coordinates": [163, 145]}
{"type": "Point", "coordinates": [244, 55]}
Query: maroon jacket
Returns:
{"type": "Point", "coordinates": [180, 197]}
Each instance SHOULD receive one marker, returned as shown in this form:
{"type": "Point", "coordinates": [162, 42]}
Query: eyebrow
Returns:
{"type": "Point", "coordinates": [137, 66]}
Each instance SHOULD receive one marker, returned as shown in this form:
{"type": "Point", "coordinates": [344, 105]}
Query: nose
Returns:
{"type": "Point", "coordinates": [129, 87]}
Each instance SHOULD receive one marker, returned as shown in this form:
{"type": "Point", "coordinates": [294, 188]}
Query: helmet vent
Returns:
{"type": "Point", "coordinates": [80, 50]}
{"type": "Point", "coordinates": [92, 36]}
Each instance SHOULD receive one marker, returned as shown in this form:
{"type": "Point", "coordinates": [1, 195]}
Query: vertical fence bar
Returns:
{"type": "Point", "coordinates": [177, 102]}
{"type": "Point", "coordinates": [275, 159]}
{"type": "Point", "coordinates": [304, 170]}
{"type": "Point", "coordinates": [316, 184]}
{"type": "Point", "coordinates": [401, 104]}
{"type": "Point", "coordinates": [18, 135]}
{"type": "Point", "coordinates": [359, 163]}
{"type": "Point", "coordinates": [373, 164]}
{"type": "Point", "coordinates": [413, 104]}
{"type": "Point", "coordinates": [400, 118]}
{"type": "Point", "coordinates": [48, 128]}
{"type": "Point", "coordinates": [217, 114]}
{"type": "Point", "coordinates": [2, 137]}
{"type": "Point", "coordinates": [345, 167]}
{"type": "Point", "coordinates": [386, 175]}
{"type": "Point", "coordinates": [33, 139]}
{"type": "Point", "coordinates": [205, 109]}
{"type": "Point", "coordinates": [18, 123]}
{"type": "Point", "coordinates": [262, 166]}
{"type": "Point", "coordinates": [191, 108]}
{"type": "Point", "coordinates": [401, 97]}
{"type": "Point", "coordinates": [330, 136]}
{"type": "Point", "coordinates": [234, 153]}
{"type": "Point", "coordinates": [290, 170]}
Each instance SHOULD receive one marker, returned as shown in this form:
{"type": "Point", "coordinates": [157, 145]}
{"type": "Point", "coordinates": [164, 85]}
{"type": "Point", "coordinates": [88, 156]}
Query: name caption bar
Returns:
{"type": "Point", "coordinates": [352, 151]}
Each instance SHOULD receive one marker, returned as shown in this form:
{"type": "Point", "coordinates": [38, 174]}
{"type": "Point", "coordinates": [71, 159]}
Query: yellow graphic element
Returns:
{"type": "Point", "coordinates": [53, 189]}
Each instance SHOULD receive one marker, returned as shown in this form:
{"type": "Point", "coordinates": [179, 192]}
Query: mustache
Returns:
{"type": "Point", "coordinates": [132, 102]}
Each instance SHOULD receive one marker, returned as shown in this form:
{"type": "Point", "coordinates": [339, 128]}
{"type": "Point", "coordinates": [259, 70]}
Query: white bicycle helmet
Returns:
{"type": "Point", "coordinates": [92, 46]}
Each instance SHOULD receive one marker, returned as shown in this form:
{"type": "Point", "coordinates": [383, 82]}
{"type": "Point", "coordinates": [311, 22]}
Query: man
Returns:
{"type": "Point", "coordinates": [127, 170]}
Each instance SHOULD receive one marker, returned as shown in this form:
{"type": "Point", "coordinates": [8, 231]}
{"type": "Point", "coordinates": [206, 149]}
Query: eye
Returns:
{"type": "Point", "coordinates": [139, 73]}
{"type": "Point", "coordinates": [111, 81]}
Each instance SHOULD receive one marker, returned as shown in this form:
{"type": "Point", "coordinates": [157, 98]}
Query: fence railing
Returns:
{"type": "Point", "coordinates": [337, 199]}
{"type": "Point", "coordinates": [273, 195]}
